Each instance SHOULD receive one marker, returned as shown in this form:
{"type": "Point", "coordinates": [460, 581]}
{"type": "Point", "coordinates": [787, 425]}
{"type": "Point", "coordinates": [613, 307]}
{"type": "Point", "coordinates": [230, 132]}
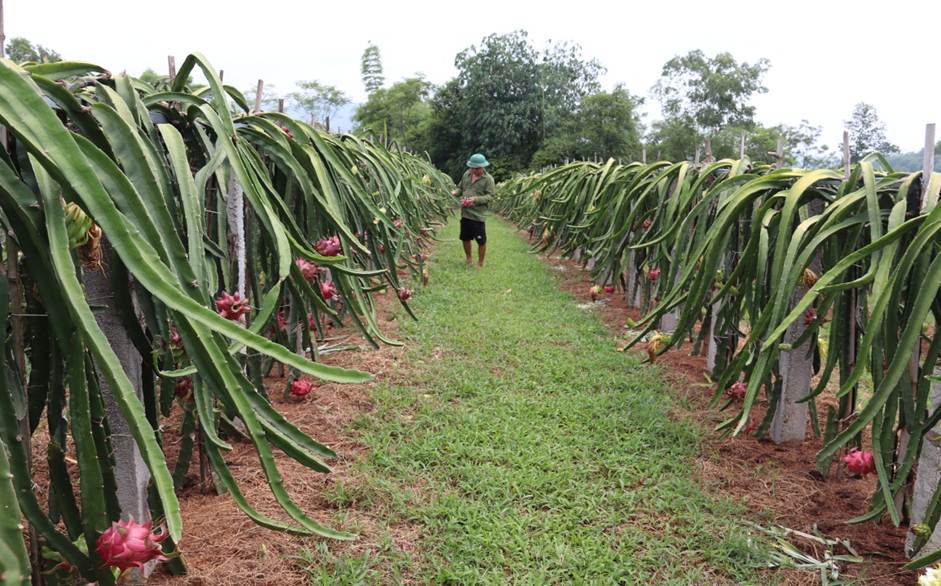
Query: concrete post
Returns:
{"type": "Point", "coordinates": [796, 367]}
{"type": "Point", "coordinates": [927, 477]}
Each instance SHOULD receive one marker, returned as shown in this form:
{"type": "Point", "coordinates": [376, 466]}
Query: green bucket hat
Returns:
{"type": "Point", "coordinates": [477, 160]}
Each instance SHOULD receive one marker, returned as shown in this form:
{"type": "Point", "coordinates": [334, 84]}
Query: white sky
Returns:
{"type": "Point", "coordinates": [825, 55]}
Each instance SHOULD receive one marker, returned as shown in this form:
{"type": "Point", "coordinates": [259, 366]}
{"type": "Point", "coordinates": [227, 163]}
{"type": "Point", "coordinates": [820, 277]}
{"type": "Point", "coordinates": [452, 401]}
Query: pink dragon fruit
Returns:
{"type": "Point", "coordinates": [232, 307]}
{"type": "Point", "coordinates": [736, 391]}
{"type": "Point", "coordinates": [310, 270]}
{"type": "Point", "coordinates": [127, 544]}
{"type": "Point", "coordinates": [860, 462]}
{"type": "Point", "coordinates": [301, 388]}
{"type": "Point", "coordinates": [328, 246]}
{"type": "Point", "coordinates": [328, 290]}
{"type": "Point", "coordinates": [405, 294]}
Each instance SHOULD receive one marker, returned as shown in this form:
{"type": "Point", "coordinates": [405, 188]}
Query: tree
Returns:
{"type": "Point", "coordinates": [506, 100]}
{"type": "Point", "coordinates": [400, 113]}
{"type": "Point", "coordinates": [867, 133]}
{"type": "Point", "coordinates": [673, 139]}
{"type": "Point", "coordinates": [802, 146]}
{"type": "Point", "coordinates": [318, 101]}
{"type": "Point", "coordinates": [712, 92]}
{"type": "Point", "coordinates": [371, 69]}
{"type": "Point", "coordinates": [21, 50]}
{"type": "Point", "coordinates": [606, 124]}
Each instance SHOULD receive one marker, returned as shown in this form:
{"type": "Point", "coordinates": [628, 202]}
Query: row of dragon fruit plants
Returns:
{"type": "Point", "coordinates": [168, 246]}
{"type": "Point", "coordinates": [795, 281]}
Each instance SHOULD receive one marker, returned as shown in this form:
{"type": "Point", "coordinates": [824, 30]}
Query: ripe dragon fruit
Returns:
{"type": "Point", "coordinates": [646, 223]}
{"type": "Point", "coordinates": [736, 391]}
{"type": "Point", "coordinates": [311, 324]}
{"type": "Point", "coordinates": [232, 307]}
{"type": "Point", "coordinates": [860, 462]}
{"type": "Point", "coordinates": [328, 246]}
{"type": "Point", "coordinates": [328, 290]}
{"type": "Point", "coordinates": [282, 323]}
{"type": "Point", "coordinates": [405, 294]}
{"type": "Point", "coordinates": [301, 388]}
{"type": "Point", "coordinates": [810, 316]}
{"type": "Point", "coordinates": [654, 273]}
{"type": "Point", "coordinates": [609, 289]}
{"type": "Point", "coordinates": [127, 544]}
{"type": "Point", "coordinates": [310, 270]}
{"type": "Point", "coordinates": [398, 223]}
{"type": "Point", "coordinates": [183, 387]}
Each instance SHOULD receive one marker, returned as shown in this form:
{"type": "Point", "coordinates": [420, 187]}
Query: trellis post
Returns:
{"type": "Point", "coordinates": [928, 469]}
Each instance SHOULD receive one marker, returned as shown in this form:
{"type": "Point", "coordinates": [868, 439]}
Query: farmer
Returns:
{"type": "Point", "coordinates": [475, 190]}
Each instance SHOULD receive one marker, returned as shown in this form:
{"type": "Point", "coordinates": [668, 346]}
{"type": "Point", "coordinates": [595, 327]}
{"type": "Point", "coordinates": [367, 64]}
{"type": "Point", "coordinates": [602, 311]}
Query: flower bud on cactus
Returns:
{"type": "Point", "coordinates": [860, 462]}
{"type": "Point", "coordinates": [127, 544]}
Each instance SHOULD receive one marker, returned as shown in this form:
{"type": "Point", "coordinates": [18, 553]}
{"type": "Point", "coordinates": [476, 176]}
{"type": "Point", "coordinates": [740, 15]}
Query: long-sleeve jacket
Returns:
{"type": "Point", "coordinates": [480, 193]}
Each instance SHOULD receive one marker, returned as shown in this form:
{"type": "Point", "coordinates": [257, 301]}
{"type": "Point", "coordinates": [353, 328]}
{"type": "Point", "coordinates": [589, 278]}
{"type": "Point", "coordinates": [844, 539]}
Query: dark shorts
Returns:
{"type": "Point", "coordinates": [473, 230]}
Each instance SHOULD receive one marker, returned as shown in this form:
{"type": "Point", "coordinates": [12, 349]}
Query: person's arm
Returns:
{"type": "Point", "coordinates": [458, 191]}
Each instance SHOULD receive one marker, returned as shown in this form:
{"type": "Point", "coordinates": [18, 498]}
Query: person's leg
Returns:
{"type": "Point", "coordinates": [466, 237]}
{"type": "Point", "coordinates": [467, 250]}
{"type": "Point", "coordinates": [481, 253]}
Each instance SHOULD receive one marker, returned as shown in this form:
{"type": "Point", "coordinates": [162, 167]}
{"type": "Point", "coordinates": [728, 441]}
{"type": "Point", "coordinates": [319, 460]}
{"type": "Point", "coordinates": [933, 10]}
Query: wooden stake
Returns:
{"type": "Point", "coordinates": [281, 105]}
{"type": "Point", "coordinates": [171, 66]}
{"type": "Point", "coordinates": [708, 146]}
{"type": "Point", "coordinates": [779, 153]}
{"type": "Point", "coordinates": [846, 155]}
{"type": "Point", "coordinates": [741, 147]}
{"type": "Point", "coordinates": [258, 92]}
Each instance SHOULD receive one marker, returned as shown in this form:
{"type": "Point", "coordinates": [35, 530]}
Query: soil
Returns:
{"type": "Point", "coordinates": [779, 482]}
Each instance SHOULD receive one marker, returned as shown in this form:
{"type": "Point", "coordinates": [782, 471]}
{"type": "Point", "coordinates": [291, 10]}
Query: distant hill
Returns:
{"type": "Point", "coordinates": [911, 161]}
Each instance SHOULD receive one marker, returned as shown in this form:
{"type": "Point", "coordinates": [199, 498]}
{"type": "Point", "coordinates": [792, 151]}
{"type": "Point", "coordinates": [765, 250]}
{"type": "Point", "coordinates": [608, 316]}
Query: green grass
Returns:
{"type": "Point", "coordinates": [525, 449]}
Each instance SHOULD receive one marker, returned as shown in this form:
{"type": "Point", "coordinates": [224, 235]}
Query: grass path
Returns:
{"type": "Point", "coordinates": [527, 450]}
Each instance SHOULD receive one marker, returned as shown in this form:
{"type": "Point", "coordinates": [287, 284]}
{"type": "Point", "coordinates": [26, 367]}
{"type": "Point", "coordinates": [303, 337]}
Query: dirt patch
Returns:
{"type": "Point", "coordinates": [222, 546]}
{"type": "Point", "coordinates": [779, 482]}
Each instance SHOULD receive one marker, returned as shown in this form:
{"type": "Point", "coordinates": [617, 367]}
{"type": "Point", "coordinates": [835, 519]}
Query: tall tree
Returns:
{"type": "Point", "coordinates": [867, 133]}
{"type": "Point", "coordinates": [269, 96]}
{"type": "Point", "coordinates": [21, 50]}
{"type": "Point", "coordinates": [399, 113]}
{"type": "Point", "coordinates": [701, 95]}
{"type": "Point", "coordinates": [507, 98]}
{"type": "Point", "coordinates": [606, 124]}
{"type": "Point", "coordinates": [371, 69]}
{"type": "Point", "coordinates": [317, 101]}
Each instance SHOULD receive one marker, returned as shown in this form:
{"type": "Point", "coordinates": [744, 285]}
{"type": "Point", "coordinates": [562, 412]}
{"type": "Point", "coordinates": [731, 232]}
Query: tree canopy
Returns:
{"type": "Point", "coordinates": [867, 133]}
{"type": "Point", "coordinates": [371, 69]}
{"type": "Point", "coordinates": [399, 113]}
{"type": "Point", "coordinates": [21, 50]}
{"type": "Point", "coordinates": [318, 101]}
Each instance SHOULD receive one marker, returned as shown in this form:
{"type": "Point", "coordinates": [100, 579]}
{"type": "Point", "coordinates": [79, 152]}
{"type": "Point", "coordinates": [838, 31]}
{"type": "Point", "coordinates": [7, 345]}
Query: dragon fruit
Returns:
{"type": "Point", "coordinates": [860, 462]}
{"type": "Point", "coordinates": [127, 544]}
{"type": "Point", "coordinates": [183, 387]}
{"type": "Point", "coordinates": [736, 391]}
{"type": "Point", "coordinates": [654, 273]}
{"type": "Point", "coordinates": [328, 290]}
{"type": "Point", "coordinates": [609, 289]}
{"type": "Point", "coordinates": [405, 294]}
{"type": "Point", "coordinates": [328, 246]}
{"type": "Point", "coordinates": [810, 316]}
{"type": "Point", "coordinates": [301, 388]}
{"type": "Point", "coordinates": [232, 307]}
{"type": "Point", "coordinates": [310, 270]}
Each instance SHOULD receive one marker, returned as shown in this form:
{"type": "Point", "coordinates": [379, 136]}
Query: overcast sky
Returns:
{"type": "Point", "coordinates": [825, 55]}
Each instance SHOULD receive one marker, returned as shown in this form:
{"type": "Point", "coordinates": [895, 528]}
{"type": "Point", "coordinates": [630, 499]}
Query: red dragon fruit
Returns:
{"type": "Point", "coordinates": [301, 388]}
{"type": "Point", "coordinates": [654, 273]}
{"type": "Point", "coordinates": [405, 294]}
{"type": "Point", "coordinates": [609, 289]}
{"type": "Point", "coordinates": [310, 270]}
{"type": "Point", "coordinates": [232, 307]}
{"type": "Point", "coordinates": [328, 290]}
{"type": "Point", "coordinates": [860, 462]}
{"type": "Point", "coordinates": [736, 391]}
{"type": "Point", "coordinates": [398, 223]}
{"type": "Point", "coordinates": [183, 387]}
{"type": "Point", "coordinates": [127, 544]}
{"type": "Point", "coordinates": [175, 340]}
{"type": "Point", "coordinates": [311, 324]}
{"type": "Point", "coordinates": [282, 323]}
{"type": "Point", "coordinates": [810, 316]}
{"type": "Point", "coordinates": [646, 223]}
{"type": "Point", "coordinates": [328, 246]}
